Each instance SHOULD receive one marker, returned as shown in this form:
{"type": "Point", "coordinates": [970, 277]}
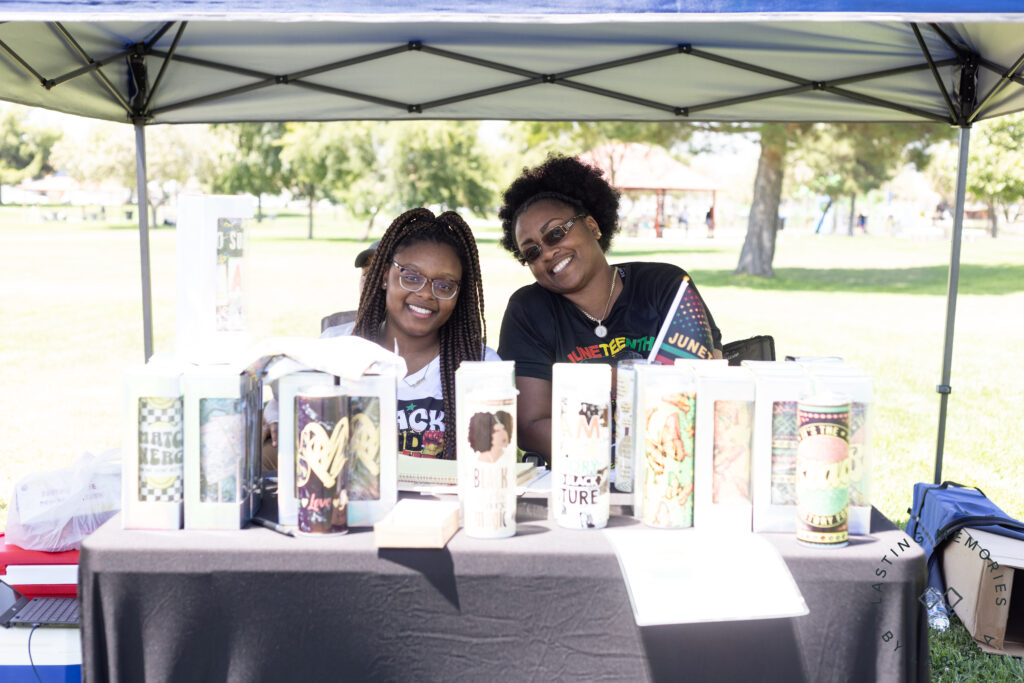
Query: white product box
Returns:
{"type": "Point", "coordinates": [211, 277]}
{"type": "Point", "coordinates": [287, 387]}
{"type": "Point", "coordinates": [485, 406]}
{"type": "Point", "coordinates": [372, 444]}
{"type": "Point", "coordinates": [252, 390]}
{"type": "Point", "coordinates": [779, 386]}
{"type": "Point", "coordinates": [850, 381]}
{"type": "Point", "coordinates": [216, 471]}
{"type": "Point", "coordinates": [625, 423]}
{"type": "Point", "coordinates": [581, 445]}
{"type": "Point", "coordinates": [152, 443]}
{"type": "Point", "coordinates": [663, 483]}
{"type": "Point", "coordinates": [723, 445]}
{"type": "Point", "coordinates": [698, 363]}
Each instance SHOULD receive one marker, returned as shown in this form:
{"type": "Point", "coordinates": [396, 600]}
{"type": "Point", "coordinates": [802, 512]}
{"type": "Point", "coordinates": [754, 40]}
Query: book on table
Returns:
{"type": "Point", "coordinates": [37, 572]}
{"type": "Point", "coordinates": [433, 471]}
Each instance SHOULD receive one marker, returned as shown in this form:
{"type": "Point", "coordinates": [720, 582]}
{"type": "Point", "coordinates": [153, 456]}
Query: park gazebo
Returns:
{"type": "Point", "coordinates": [148, 62]}
{"type": "Point", "coordinates": [632, 167]}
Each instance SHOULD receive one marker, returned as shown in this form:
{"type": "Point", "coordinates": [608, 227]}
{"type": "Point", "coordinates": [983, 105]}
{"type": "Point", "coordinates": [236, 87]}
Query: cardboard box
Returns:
{"type": "Point", "coordinates": [984, 574]}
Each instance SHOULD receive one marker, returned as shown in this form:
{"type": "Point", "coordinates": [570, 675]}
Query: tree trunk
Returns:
{"type": "Point", "coordinates": [310, 216]}
{"type": "Point", "coordinates": [824, 214]}
{"type": "Point", "coordinates": [853, 206]}
{"type": "Point", "coordinates": [993, 220]}
{"type": "Point", "coordinates": [259, 207]}
{"type": "Point", "coordinates": [369, 224]}
{"type": "Point", "coordinates": [759, 245]}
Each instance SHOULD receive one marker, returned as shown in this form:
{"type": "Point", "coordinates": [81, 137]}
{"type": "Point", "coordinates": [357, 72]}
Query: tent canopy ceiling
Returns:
{"type": "Point", "coordinates": [731, 60]}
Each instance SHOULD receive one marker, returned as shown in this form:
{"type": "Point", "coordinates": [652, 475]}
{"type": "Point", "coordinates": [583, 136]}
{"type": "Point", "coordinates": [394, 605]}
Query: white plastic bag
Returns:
{"type": "Point", "coordinates": [54, 511]}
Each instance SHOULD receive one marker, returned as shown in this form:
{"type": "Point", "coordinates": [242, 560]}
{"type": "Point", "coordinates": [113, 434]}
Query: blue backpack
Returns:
{"type": "Point", "coordinates": [940, 510]}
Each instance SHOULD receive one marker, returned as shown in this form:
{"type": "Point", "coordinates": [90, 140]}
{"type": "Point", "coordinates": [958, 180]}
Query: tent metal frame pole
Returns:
{"type": "Point", "coordinates": [944, 388]}
{"type": "Point", "coordinates": [143, 197]}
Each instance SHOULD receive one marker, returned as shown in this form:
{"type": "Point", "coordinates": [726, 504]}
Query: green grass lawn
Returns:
{"type": "Point", "coordinates": [71, 318]}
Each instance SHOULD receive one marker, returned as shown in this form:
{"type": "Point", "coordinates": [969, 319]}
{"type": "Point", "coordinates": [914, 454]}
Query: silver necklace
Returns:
{"type": "Point", "coordinates": [601, 331]}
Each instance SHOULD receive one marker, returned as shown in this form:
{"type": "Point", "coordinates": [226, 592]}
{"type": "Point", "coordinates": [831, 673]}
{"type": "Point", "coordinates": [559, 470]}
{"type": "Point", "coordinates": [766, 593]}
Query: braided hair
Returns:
{"type": "Point", "coordinates": [566, 180]}
{"type": "Point", "coordinates": [464, 335]}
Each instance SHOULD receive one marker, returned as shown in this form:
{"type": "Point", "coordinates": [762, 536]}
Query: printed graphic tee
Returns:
{"type": "Point", "coordinates": [541, 328]}
{"type": "Point", "coordinates": [420, 411]}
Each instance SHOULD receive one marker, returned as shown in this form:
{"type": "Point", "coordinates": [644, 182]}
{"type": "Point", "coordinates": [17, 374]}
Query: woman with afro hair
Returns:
{"type": "Point", "coordinates": [558, 219]}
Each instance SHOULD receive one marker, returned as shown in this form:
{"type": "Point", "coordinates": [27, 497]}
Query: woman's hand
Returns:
{"type": "Point", "coordinates": [534, 408]}
{"type": "Point", "coordinates": [270, 432]}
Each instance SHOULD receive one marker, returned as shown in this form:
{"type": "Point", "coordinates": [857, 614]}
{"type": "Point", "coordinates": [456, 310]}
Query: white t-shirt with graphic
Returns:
{"type": "Point", "coordinates": [420, 411]}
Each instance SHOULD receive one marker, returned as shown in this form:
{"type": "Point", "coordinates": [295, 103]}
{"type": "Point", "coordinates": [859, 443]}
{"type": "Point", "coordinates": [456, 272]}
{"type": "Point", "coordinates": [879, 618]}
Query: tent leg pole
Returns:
{"type": "Point", "coordinates": [954, 281]}
{"type": "Point", "coordinates": [143, 199]}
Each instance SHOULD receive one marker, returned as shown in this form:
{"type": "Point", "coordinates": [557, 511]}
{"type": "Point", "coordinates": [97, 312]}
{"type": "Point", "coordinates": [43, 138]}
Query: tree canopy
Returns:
{"type": "Point", "coordinates": [995, 174]}
{"type": "Point", "coordinates": [24, 149]}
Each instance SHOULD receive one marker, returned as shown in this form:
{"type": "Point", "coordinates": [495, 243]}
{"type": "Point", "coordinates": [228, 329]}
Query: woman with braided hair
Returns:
{"type": "Point", "coordinates": [424, 299]}
{"type": "Point", "coordinates": [558, 219]}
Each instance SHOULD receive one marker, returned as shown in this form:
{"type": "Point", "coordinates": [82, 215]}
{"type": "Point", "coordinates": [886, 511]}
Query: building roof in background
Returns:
{"type": "Point", "coordinates": [635, 166]}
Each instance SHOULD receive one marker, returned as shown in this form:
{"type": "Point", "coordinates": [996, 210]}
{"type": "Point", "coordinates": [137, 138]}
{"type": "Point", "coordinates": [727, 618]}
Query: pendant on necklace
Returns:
{"type": "Point", "coordinates": [600, 330]}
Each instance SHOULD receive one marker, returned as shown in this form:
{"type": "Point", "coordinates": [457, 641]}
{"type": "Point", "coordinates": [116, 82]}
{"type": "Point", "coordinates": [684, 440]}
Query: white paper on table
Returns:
{"type": "Point", "coordinates": [686, 576]}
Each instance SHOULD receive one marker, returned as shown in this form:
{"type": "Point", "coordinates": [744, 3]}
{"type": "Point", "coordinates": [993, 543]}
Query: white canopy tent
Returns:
{"type": "Point", "coordinates": [182, 61]}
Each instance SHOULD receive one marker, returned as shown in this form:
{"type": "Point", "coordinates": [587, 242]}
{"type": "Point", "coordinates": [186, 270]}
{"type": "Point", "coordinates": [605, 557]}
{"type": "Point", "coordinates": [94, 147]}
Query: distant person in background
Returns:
{"type": "Point", "coordinates": [684, 221]}
{"type": "Point", "coordinates": [862, 223]}
{"type": "Point", "coordinates": [709, 220]}
{"type": "Point", "coordinates": [364, 260]}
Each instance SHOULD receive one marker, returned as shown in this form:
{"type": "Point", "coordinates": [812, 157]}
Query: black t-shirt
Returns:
{"type": "Point", "coordinates": [541, 327]}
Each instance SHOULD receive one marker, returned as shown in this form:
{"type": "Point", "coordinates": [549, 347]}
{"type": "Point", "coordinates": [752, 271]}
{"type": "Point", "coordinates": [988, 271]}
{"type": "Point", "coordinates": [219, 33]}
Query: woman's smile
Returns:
{"type": "Point", "coordinates": [419, 311]}
{"type": "Point", "coordinates": [560, 266]}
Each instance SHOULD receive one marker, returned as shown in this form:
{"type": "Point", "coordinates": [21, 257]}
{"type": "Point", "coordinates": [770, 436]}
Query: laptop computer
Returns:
{"type": "Point", "coordinates": [18, 610]}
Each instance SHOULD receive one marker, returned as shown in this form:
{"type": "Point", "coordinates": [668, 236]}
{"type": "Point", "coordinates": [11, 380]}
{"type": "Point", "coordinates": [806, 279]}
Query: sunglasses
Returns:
{"type": "Point", "coordinates": [412, 281]}
{"type": "Point", "coordinates": [550, 238]}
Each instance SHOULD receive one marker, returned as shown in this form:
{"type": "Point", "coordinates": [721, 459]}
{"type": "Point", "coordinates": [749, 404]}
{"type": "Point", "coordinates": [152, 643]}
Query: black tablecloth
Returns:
{"type": "Point", "coordinates": [547, 604]}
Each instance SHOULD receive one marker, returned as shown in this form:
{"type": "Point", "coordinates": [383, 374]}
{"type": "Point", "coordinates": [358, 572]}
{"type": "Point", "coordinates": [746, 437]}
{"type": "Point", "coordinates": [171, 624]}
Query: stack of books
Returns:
{"type": "Point", "coordinates": [36, 573]}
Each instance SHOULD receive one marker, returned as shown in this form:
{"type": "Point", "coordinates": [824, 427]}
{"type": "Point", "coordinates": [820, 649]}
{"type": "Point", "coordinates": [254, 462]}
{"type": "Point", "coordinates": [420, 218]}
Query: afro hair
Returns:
{"type": "Point", "coordinates": [569, 181]}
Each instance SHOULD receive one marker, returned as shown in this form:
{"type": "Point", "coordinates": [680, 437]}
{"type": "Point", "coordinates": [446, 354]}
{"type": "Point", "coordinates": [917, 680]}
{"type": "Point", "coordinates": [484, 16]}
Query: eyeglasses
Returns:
{"type": "Point", "coordinates": [412, 281]}
{"type": "Point", "coordinates": [550, 238]}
